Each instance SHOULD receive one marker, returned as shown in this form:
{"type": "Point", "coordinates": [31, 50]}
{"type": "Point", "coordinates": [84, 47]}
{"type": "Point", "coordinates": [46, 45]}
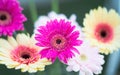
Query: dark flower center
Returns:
{"type": "Point", "coordinates": [103, 33]}
{"type": "Point", "coordinates": [25, 56]}
{"type": "Point", "coordinates": [58, 41]}
{"type": "Point", "coordinates": [3, 17]}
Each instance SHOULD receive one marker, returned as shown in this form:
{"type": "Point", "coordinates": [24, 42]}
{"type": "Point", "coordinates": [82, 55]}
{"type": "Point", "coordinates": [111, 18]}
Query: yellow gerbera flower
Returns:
{"type": "Point", "coordinates": [22, 53]}
{"type": "Point", "coordinates": [102, 28]}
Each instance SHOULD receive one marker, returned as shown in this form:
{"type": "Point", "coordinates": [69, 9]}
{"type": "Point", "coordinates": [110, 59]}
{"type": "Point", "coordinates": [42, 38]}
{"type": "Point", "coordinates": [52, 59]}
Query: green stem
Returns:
{"type": "Point", "coordinates": [55, 5]}
{"type": "Point", "coordinates": [33, 10]}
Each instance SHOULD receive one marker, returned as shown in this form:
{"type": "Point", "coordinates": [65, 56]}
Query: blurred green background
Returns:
{"type": "Point", "coordinates": [34, 8]}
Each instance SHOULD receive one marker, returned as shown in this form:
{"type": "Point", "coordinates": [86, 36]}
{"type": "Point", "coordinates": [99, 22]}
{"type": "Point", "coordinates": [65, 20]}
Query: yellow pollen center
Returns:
{"type": "Point", "coordinates": [83, 57]}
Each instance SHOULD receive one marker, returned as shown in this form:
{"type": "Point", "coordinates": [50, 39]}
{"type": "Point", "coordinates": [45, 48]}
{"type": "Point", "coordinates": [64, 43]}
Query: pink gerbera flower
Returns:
{"type": "Point", "coordinates": [11, 18]}
{"type": "Point", "coordinates": [58, 39]}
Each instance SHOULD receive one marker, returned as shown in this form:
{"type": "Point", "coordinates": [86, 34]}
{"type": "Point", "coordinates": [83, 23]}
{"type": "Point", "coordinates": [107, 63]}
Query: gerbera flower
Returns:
{"type": "Point", "coordinates": [59, 39]}
{"type": "Point", "coordinates": [51, 16]}
{"type": "Point", "coordinates": [22, 53]}
{"type": "Point", "coordinates": [11, 17]}
{"type": "Point", "coordinates": [88, 62]}
{"type": "Point", "coordinates": [102, 28]}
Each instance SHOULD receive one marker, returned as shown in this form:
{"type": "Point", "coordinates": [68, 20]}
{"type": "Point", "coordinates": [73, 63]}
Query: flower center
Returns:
{"type": "Point", "coordinates": [5, 18]}
{"type": "Point", "coordinates": [104, 33]}
{"type": "Point", "coordinates": [83, 57]}
{"type": "Point", "coordinates": [58, 41]}
{"type": "Point", "coordinates": [25, 55]}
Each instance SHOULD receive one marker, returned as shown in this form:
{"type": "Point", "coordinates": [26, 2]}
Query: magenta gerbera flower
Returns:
{"type": "Point", "coordinates": [11, 17]}
{"type": "Point", "coordinates": [59, 39]}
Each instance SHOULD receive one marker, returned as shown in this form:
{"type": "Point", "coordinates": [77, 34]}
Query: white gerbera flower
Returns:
{"type": "Point", "coordinates": [88, 62]}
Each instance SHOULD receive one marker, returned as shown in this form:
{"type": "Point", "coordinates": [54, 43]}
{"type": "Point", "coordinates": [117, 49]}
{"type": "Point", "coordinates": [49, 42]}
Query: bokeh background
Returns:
{"type": "Point", "coordinates": [34, 8]}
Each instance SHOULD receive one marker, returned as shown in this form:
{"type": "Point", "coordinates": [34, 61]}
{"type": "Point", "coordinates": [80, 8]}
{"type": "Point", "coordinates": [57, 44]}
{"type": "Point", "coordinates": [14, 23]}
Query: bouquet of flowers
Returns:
{"type": "Point", "coordinates": [82, 49]}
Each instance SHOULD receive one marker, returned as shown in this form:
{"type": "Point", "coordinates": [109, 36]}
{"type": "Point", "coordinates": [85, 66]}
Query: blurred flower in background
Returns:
{"type": "Point", "coordinates": [11, 17]}
{"type": "Point", "coordinates": [42, 20]}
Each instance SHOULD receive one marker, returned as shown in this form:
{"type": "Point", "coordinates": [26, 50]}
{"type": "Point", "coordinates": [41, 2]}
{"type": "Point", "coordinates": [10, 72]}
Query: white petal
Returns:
{"type": "Point", "coordinates": [71, 62]}
{"type": "Point", "coordinates": [69, 68]}
{"type": "Point", "coordinates": [52, 15]}
{"type": "Point", "coordinates": [23, 39]}
{"type": "Point", "coordinates": [5, 44]}
{"type": "Point", "coordinates": [73, 17]}
{"type": "Point", "coordinates": [12, 41]}
{"type": "Point", "coordinates": [81, 72]}
{"type": "Point", "coordinates": [88, 72]}
{"type": "Point", "coordinates": [76, 68]}
{"type": "Point", "coordinates": [41, 21]}
{"type": "Point", "coordinates": [4, 52]}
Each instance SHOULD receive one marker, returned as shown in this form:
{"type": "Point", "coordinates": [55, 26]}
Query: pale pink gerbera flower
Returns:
{"type": "Point", "coordinates": [11, 17]}
{"type": "Point", "coordinates": [22, 53]}
{"type": "Point", "coordinates": [88, 62]}
{"type": "Point", "coordinates": [59, 39]}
